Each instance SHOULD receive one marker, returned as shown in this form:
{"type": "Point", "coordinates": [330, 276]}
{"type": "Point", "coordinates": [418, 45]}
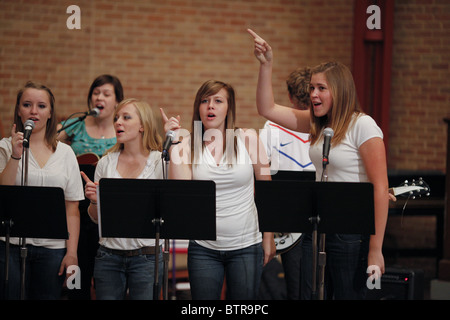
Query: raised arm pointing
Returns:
{"type": "Point", "coordinates": [294, 119]}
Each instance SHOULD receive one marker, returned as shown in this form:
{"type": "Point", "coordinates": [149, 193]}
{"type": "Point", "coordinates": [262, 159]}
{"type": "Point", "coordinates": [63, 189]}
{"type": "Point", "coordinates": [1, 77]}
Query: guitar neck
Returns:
{"type": "Point", "coordinates": [405, 189]}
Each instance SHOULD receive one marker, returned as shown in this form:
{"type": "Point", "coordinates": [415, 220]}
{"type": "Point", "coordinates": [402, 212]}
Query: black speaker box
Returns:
{"type": "Point", "coordinates": [399, 284]}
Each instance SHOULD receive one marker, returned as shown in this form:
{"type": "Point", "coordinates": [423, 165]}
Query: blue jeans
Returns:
{"type": "Point", "coordinates": [42, 281]}
{"type": "Point", "coordinates": [292, 274]}
{"type": "Point", "coordinates": [114, 274]}
{"type": "Point", "coordinates": [241, 268]}
{"type": "Point", "coordinates": [346, 266]}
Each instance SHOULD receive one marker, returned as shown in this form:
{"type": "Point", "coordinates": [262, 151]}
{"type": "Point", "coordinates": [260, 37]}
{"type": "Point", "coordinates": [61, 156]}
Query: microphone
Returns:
{"type": "Point", "coordinates": [94, 112]}
{"type": "Point", "coordinates": [28, 128]}
{"type": "Point", "coordinates": [169, 137]}
{"type": "Point", "coordinates": [327, 135]}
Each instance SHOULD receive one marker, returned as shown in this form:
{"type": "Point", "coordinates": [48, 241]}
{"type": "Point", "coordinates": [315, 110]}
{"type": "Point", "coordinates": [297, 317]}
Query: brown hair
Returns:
{"type": "Point", "coordinates": [50, 130]}
{"type": "Point", "coordinates": [106, 79]}
{"type": "Point", "coordinates": [298, 87]}
{"type": "Point", "coordinates": [207, 89]}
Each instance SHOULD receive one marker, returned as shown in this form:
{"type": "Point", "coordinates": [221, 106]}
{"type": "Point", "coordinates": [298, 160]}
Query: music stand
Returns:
{"type": "Point", "coordinates": [315, 207]}
{"type": "Point", "coordinates": [286, 240]}
{"type": "Point", "coordinates": [306, 175]}
{"type": "Point", "coordinates": [157, 208]}
{"type": "Point", "coordinates": [45, 219]}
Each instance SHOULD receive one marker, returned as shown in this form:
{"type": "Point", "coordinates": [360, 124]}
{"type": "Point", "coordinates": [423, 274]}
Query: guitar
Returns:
{"type": "Point", "coordinates": [88, 158]}
{"type": "Point", "coordinates": [411, 189]}
{"type": "Point", "coordinates": [286, 241]}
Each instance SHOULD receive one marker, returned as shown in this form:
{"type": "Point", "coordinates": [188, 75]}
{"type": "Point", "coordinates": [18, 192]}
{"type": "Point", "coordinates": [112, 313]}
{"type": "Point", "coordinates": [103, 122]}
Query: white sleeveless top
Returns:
{"type": "Point", "coordinates": [236, 215]}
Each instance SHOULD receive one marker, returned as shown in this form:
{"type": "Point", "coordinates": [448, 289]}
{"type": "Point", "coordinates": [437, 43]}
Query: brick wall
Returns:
{"type": "Point", "coordinates": [163, 50]}
{"type": "Point", "coordinates": [420, 95]}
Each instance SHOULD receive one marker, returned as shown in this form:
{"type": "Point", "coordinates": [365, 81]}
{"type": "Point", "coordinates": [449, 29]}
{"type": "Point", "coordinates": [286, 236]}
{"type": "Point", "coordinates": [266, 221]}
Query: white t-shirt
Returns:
{"type": "Point", "coordinates": [61, 170]}
{"type": "Point", "coordinates": [286, 149]}
{"type": "Point", "coordinates": [236, 214]}
{"type": "Point", "coordinates": [345, 162]}
{"type": "Point", "coordinates": [107, 168]}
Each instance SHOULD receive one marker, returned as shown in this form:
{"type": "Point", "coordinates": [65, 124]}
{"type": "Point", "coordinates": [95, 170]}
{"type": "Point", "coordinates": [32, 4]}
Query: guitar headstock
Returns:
{"type": "Point", "coordinates": [413, 188]}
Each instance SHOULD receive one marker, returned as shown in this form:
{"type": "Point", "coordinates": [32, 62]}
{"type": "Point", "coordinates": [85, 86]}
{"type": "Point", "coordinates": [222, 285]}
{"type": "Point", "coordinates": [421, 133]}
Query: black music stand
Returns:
{"type": "Point", "coordinates": [283, 238]}
{"type": "Point", "coordinates": [315, 207]}
{"type": "Point", "coordinates": [154, 209]}
{"type": "Point", "coordinates": [44, 218]}
{"type": "Point", "coordinates": [305, 175]}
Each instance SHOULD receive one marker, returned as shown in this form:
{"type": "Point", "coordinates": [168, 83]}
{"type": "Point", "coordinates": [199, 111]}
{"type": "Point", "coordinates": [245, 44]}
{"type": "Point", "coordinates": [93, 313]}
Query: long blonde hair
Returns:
{"type": "Point", "coordinates": [345, 102]}
{"type": "Point", "coordinates": [151, 139]}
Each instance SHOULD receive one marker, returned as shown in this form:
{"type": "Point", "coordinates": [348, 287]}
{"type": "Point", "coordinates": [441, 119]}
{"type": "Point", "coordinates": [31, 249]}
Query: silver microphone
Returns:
{"type": "Point", "coordinates": [328, 133]}
{"type": "Point", "coordinates": [28, 128]}
{"type": "Point", "coordinates": [94, 112]}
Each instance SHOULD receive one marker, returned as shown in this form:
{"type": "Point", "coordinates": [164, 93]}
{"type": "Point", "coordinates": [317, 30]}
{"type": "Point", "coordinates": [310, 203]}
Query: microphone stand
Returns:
{"type": "Point", "coordinates": [166, 252]}
{"type": "Point", "coordinates": [81, 118]}
{"type": "Point", "coordinates": [23, 241]}
{"type": "Point", "coordinates": [158, 222]}
{"type": "Point", "coordinates": [319, 255]}
{"type": "Point", "coordinates": [8, 225]}
{"type": "Point", "coordinates": [322, 253]}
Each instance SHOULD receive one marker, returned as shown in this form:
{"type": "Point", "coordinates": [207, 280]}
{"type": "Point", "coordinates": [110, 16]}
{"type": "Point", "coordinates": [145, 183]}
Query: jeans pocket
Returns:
{"type": "Point", "coordinates": [101, 254]}
{"type": "Point", "coordinates": [349, 238]}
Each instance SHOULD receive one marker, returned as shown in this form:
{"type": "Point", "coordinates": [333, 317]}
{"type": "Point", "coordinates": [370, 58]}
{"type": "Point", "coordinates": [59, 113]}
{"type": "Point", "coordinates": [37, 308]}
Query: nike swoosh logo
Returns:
{"type": "Point", "coordinates": [285, 144]}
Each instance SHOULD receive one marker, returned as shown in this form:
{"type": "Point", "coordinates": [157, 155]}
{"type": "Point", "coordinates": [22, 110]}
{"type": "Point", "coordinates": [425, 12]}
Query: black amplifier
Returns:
{"type": "Point", "coordinates": [399, 284]}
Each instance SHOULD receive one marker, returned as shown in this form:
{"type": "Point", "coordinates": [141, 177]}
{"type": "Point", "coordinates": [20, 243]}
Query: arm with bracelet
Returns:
{"type": "Point", "coordinates": [11, 154]}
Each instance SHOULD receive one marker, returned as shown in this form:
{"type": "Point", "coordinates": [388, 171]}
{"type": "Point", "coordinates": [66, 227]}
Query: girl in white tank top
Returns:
{"type": "Point", "coordinates": [240, 250]}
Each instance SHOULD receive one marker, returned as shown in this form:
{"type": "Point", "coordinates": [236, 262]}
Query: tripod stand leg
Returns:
{"type": "Point", "coordinates": [23, 257]}
{"type": "Point", "coordinates": [314, 294]}
{"type": "Point", "coordinates": [166, 256]}
{"type": "Point", "coordinates": [322, 263]}
{"type": "Point", "coordinates": [156, 285]}
{"type": "Point", "coordinates": [7, 225]}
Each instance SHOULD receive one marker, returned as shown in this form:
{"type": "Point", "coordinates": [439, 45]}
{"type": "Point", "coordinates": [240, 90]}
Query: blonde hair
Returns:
{"type": "Point", "coordinates": [345, 102]}
{"type": "Point", "coordinates": [151, 139]}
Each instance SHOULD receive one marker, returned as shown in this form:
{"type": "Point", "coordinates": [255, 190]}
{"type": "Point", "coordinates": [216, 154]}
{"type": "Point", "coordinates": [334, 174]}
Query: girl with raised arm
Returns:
{"type": "Point", "coordinates": [357, 154]}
